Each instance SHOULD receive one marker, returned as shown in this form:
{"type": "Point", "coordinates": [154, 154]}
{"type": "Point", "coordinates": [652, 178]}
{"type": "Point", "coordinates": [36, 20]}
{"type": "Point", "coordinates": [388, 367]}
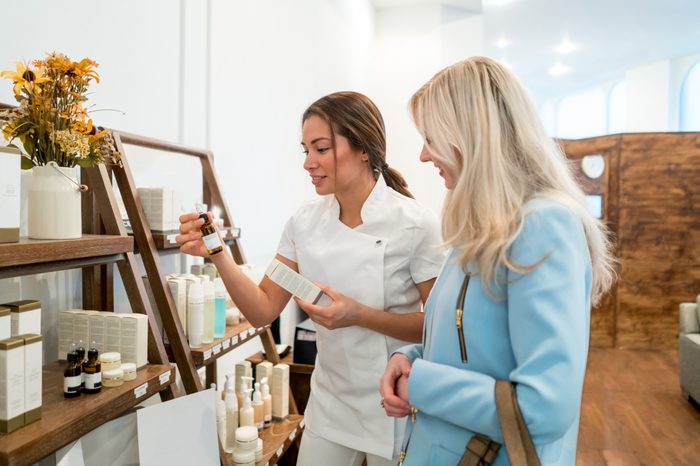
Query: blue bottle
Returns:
{"type": "Point", "coordinates": [219, 308]}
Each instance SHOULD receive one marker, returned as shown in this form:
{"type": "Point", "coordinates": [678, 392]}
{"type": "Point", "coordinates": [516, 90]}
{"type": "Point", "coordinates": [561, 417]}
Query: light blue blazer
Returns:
{"type": "Point", "coordinates": [536, 335]}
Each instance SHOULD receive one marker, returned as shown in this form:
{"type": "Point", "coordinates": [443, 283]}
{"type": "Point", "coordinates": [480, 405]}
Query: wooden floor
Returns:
{"type": "Point", "coordinates": [633, 412]}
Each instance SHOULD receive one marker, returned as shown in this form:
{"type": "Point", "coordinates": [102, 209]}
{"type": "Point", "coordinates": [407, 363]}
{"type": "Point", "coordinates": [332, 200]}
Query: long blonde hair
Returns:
{"type": "Point", "coordinates": [479, 121]}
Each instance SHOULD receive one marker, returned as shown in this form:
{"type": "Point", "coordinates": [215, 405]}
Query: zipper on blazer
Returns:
{"type": "Point", "coordinates": [459, 312]}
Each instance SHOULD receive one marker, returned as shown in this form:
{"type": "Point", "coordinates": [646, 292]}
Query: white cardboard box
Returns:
{"type": "Point", "coordinates": [9, 194]}
{"type": "Point", "coordinates": [33, 350]}
{"type": "Point", "coordinates": [134, 339]}
{"type": "Point", "coordinates": [5, 326]}
{"type": "Point", "coordinates": [11, 384]}
{"type": "Point", "coordinates": [25, 316]}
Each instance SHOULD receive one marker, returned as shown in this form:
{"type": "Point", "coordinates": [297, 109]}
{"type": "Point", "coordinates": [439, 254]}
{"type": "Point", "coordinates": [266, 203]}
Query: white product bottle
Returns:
{"type": "Point", "coordinates": [267, 402]}
{"type": "Point", "coordinates": [195, 314]}
{"type": "Point", "coordinates": [208, 334]}
{"type": "Point", "coordinates": [231, 403]}
{"type": "Point", "coordinates": [220, 417]}
{"type": "Point", "coordinates": [247, 416]}
{"type": "Point", "coordinates": [243, 389]}
{"type": "Point", "coordinates": [258, 409]}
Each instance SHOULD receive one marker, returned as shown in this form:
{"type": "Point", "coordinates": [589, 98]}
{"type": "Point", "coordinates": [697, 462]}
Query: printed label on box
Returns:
{"type": "Point", "coordinates": [225, 344]}
{"type": "Point", "coordinates": [243, 335]}
{"type": "Point", "coordinates": [207, 354]}
{"type": "Point", "coordinates": [234, 340]}
{"type": "Point", "coordinates": [216, 349]}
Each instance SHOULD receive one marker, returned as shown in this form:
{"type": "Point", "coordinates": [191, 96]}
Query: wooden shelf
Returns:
{"type": "Point", "coordinates": [67, 419]}
{"type": "Point", "coordinates": [165, 240]}
{"type": "Point", "coordinates": [34, 256]}
{"type": "Point", "coordinates": [278, 437]}
{"type": "Point", "coordinates": [234, 337]}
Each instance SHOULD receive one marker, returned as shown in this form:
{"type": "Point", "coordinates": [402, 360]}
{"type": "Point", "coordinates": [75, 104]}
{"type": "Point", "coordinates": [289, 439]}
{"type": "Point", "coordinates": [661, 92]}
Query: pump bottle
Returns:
{"type": "Point", "coordinates": [247, 416]}
{"type": "Point", "coordinates": [267, 402]}
{"type": "Point", "coordinates": [258, 408]}
{"type": "Point", "coordinates": [195, 315]}
{"type": "Point", "coordinates": [231, 402]}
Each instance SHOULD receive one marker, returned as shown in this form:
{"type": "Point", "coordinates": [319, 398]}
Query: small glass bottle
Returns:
{"type": "Point", "coordinates": [80, 349]}
{"type": "Point", "coordinates": [210, 236]}
{"type": "Point", "coordinates": [93, 372]}
{"type": "Point", "coordinates": [71, 376]}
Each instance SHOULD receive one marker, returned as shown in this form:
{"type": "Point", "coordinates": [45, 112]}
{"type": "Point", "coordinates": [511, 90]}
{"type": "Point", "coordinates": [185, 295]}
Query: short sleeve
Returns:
{"type": "Point", "coordinates": [287, 246]}
{"type": "Point", "coordinates": [427, 253]}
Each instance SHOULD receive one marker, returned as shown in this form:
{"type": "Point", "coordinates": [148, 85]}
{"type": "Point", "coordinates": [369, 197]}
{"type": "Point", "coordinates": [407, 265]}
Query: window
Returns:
{"type": "Point", "coordinates": [690, 100]}
{"type": "Point", "coordinates": [617, 103]}
{"type": "Point", "coordinates": [582, 115]}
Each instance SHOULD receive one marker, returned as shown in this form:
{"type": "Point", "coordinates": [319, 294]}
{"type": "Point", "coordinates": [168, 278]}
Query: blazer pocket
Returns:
{"type": "Point", "coordinates": [441, 457]}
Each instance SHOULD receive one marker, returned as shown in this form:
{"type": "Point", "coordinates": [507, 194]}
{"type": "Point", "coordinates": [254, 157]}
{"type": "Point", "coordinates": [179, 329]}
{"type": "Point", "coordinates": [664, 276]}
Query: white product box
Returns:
{"type": "Point", "coordinates": [262, 370]}
{"type": "Point", "coordinates": [96, 324]}
{"type": "Point", "coordinates": [113, 331]}
{"type": "Point", "coordinates": [81, 327]}
{"type": "Point", "coordinates": [25, 316]}
{"type": "Point", "coordinates": [5, 325]}
{"type": "Point", "coordinates": [279, 389]}
{"type": "Point", "coordinates": [161, 207]}
{"type": "Point", "coordinates": [65, 332]}
{"type": "Point", "coordinates": [9, 194]}
{"type": "Point", "coordinates": [134, 339]}
{"type": "Point", "coordinates": [296, 284]}
{"type": "Point", "coordinates": [11, 384]}
{"type": "Point", "coordinates": [33, 350]}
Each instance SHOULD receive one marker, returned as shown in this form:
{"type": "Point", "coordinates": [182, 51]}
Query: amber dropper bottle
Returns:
{"type": "Point", "coordinates": [210, 236]}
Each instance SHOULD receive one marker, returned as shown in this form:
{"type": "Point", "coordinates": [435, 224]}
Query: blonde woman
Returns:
{"type": "Point", "coordinates": [527, 261]}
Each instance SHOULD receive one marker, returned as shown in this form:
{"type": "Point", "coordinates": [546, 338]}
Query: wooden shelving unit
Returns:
{"type": "Point", "coordinates": [279, 437]}
{"type": "Point", "coordinates": [67, 419]}
{"type": "Point", "coordinates": [150, 245]}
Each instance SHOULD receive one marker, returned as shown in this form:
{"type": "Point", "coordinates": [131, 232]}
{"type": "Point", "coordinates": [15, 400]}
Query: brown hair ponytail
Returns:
{"type": "Point", "coordinates": [355, 117]}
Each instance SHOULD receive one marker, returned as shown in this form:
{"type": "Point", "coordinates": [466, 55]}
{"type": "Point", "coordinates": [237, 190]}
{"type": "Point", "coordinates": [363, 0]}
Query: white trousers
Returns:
{"type": "Point", "coordinates": [317, 451]}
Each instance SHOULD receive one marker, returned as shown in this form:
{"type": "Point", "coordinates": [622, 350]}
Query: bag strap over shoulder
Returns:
{"type": "Point", "coordinates": [480, 451]}
{"type": "Point", "coordinates": [521, 451]}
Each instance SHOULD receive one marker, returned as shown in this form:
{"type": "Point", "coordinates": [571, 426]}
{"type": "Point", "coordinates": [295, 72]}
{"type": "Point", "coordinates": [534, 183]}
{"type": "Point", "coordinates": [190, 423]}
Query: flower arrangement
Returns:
{"type": "Point", "coordinates": [51, 121]}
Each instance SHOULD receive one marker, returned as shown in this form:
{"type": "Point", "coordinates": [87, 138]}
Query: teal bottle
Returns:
{"type": "Point", "coordinates": [219, 308]}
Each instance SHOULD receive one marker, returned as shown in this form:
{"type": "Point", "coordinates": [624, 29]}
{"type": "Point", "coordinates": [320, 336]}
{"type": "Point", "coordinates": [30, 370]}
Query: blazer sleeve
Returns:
{"type": "Point", "coordinates": [412, 352]}
{"type": "Point", "coordinates": [548, 324]}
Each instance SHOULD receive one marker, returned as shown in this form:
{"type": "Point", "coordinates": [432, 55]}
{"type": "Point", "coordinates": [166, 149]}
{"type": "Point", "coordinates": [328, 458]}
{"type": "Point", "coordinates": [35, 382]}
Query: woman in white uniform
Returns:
{"type": "Point", "coordinates": [375, 252]}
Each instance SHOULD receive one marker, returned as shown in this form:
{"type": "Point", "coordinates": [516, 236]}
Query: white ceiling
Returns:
{"type": "Point", "coordinates": [611, 36]}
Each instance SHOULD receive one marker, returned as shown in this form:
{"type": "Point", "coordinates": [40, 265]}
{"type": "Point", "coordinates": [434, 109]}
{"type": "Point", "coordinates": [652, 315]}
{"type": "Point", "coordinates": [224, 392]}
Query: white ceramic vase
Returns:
{"type": "Point", "coordinates": [54, 203]}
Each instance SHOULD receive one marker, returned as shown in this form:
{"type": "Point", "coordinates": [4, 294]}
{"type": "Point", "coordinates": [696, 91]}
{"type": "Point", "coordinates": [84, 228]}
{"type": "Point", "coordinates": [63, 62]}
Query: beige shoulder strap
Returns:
{"type": "Point", "coordinates": [521, 451]}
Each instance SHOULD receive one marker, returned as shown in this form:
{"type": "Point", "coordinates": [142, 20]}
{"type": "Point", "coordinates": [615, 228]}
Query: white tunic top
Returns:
{"type": "Point", "coordinates": [378, 264]}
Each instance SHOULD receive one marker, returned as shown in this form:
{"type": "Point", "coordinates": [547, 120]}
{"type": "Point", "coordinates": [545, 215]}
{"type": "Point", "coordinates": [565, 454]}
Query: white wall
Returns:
{"type": "Point", "coordinates": [412, 43]}
{"type": "Point", "coordinates": [270, 61]}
